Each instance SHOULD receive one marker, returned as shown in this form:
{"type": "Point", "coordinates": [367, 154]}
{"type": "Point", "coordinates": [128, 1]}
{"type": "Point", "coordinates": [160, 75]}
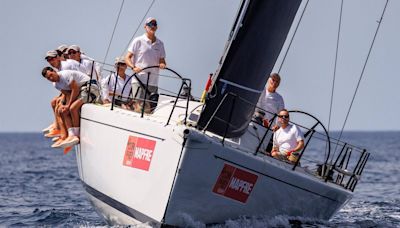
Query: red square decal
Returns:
{"type": "Point", "coordinates": [139, 152]}
{"type": "Point", "coordinates": [235, 183]}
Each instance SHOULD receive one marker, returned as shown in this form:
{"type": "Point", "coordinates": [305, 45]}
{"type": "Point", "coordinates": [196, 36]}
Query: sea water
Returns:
{"type": "Point", "coordinates": [39, 186]}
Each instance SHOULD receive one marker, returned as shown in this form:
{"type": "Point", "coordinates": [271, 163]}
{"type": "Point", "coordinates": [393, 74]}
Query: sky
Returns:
{"type": "Point", "coordinates": [194, 34]}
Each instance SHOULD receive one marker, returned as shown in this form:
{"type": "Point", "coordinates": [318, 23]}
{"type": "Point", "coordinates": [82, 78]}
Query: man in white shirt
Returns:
{"type": "Point", "coordinates": [58, 128]}
{"type": "Point", "coordinates": [87, 65]}
{"type": "Point", "coordinates": [61, 50]}
{"type": "Point", "coordinates": [270, 101]}
{"type": "Point", "coordinates": [145, 51]}
{"type": "Point", "coordinates": [122, 87]}
{"type": "Point", "coordinates": [288, 139]}
{"type": "Point", "coordinates": [58, 64]}
{"type": "Point", "coordinates": [71, 81]}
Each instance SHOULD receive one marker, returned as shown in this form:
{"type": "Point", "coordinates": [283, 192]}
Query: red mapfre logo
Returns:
{"type": "Point", "coordinates": [139, 152]}
{"type": "Point", "coordinates": [235, 183]}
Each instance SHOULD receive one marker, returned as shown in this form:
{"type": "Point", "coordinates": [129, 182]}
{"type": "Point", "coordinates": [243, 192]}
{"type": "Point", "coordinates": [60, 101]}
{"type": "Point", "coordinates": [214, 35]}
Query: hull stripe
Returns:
{"type": "Point", "coordinates": [117, 205]}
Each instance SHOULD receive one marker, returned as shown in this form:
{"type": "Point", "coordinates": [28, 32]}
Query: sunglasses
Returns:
{"type": "Point", "coordinates": [71, 52]}
{"type": "Point", "coordinates": [284, 116]}
{"type": "Point", "coordinates": [152, 24]}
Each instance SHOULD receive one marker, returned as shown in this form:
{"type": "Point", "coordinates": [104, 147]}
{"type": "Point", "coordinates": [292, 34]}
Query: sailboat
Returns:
{"type": "Point", "coordinates": [207, 160]}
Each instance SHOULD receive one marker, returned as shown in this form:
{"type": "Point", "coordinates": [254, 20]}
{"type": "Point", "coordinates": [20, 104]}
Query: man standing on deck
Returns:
{"type": "Point", "coordinates": [270, 101]}
{"type": "Point", "coordinates": [144, 51]}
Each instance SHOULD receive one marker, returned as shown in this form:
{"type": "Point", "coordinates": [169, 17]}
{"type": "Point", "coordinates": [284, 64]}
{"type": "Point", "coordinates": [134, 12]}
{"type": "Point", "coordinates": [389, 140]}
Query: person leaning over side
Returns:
{"type": "Point", "coordinates": [58, 127]}
{"type": "Point", "coordinates": [288, 139]}
{"type": "Point", "coordinates": [97, 66]}
{"type": "Point", "coordinates": [57, 62]}
{"type": "Point", "coordinates": [270, 101]}
{"type": "Point", "coordinates": [61, 51]}
{"type": "Point", "coordinates": [72, 81]}
{"type": "Point", "coordinates": [144, 51]}
{"type": "Point", "coordinates": [121, 81]}
{"type": "Point", "coordinates": [87, 65]}
{"type": "Point", "coordinates": [85, 62]}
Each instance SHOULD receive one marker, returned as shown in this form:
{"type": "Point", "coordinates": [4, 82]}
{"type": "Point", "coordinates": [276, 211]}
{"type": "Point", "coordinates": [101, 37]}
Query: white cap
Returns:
{"type": "Point", "coordinates": [149, 19]}
{"type": "Point", "coordinates": [51, 54]}
{"type": "Point", "coordinates": [74, 47]}
{"type": "Point", "coordinates": [62, 48]}
{"type": "Point", "coordinates": [119, 60]}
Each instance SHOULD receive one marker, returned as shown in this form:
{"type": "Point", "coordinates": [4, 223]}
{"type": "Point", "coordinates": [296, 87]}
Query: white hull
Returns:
{"type": "Point", "coordinates": [188, 174]}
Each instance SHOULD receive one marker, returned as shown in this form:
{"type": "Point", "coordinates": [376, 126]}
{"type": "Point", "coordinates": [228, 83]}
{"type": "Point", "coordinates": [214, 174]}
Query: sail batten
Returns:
{"type": "Point", "coordinates": [260, 31]}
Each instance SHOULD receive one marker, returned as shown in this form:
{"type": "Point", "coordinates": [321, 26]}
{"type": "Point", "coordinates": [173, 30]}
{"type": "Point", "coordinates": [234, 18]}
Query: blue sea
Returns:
{"type": "Point", "coordinates": [39, 186]}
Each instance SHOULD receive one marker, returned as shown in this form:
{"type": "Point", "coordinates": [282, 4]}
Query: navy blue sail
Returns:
{"type": "Point", "coordinates": [256, 40]}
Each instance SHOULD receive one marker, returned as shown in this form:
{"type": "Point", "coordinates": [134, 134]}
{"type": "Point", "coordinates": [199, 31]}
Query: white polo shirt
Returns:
{"type": "Point", "coordinates": [145, 54]}
{"type": "Point", "coordinates": [97, 66]}
{"type": "Point", "coordinates": [69, 64]}
{"type": "Point", "coordinates": [271, 102]}
{"type": "Point", "coordinates": [109, 83]}
{"type": "Point", "coordinates": [67, 76]}
{"type": "Point", "coordinates": [85, 66]}
{"type": "Point", "coordinates": [286, 139]}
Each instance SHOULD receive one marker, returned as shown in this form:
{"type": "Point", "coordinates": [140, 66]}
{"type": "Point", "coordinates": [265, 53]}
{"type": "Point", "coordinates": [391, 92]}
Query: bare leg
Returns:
{"type": "Point", "coordinates": [74, 110]}
{"type": "Point", "coordinates": [66, 117]}
{"type": "Point", "coordinates": [59, 122]}
{"type": "Point", "coordinates": [53, 128]}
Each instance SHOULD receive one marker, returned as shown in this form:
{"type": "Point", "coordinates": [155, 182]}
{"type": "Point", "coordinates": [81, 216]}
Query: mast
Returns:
{"type": "Point", "coordinates": [257, 37]}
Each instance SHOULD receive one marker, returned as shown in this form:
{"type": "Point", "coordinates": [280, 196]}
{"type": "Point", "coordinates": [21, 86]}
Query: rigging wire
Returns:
{"type": "Point", "coordinates": [362, 72]}
{"type": "Point", "coordinates": [137, 28]}
{"type": "Point", "coordinates": [291, 40]}
{"type": "Point", "coordinates": [335, 67]}
{"type": "Point", "coordinates": [113, 32]}
{"type": "Point", "coordinates": [334, 71]}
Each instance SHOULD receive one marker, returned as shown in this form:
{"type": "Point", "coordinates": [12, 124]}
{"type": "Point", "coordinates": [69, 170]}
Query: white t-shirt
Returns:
{"type": "Point", "coordinates": [109, 82]}
{"type": "Point", "coordinates": [271, 102]}
{"type": "Point", "coordinates": [85, 66]}
{"type": "Point", "coordinates": [83, 56]}
{"type": "Point", "coordinates": [67, 76]}
{"type": "Point", "coordinates": [97, 66]}
{"type": "Point", "coordinates": [69, 64]}
{"type": "Point", "coordinates": [145, 54]}
{"type": "Point", "coordinates": [286, 139]}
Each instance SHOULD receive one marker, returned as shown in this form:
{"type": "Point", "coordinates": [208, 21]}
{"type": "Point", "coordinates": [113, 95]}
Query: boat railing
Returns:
{"type": "Point", "coordinates": [343, 169]}
{"type": "Point", "coordinates": [150, 100]}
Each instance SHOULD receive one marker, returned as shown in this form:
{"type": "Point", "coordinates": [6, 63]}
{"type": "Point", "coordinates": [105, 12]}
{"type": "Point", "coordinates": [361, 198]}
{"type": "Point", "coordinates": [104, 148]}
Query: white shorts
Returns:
{"type": "Point", "coordinates": [94, 93]}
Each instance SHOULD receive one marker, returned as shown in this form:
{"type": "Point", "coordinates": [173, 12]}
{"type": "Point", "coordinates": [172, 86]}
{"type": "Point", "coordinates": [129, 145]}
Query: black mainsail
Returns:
{"type": "Point", "coordinates": [257, 38]}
